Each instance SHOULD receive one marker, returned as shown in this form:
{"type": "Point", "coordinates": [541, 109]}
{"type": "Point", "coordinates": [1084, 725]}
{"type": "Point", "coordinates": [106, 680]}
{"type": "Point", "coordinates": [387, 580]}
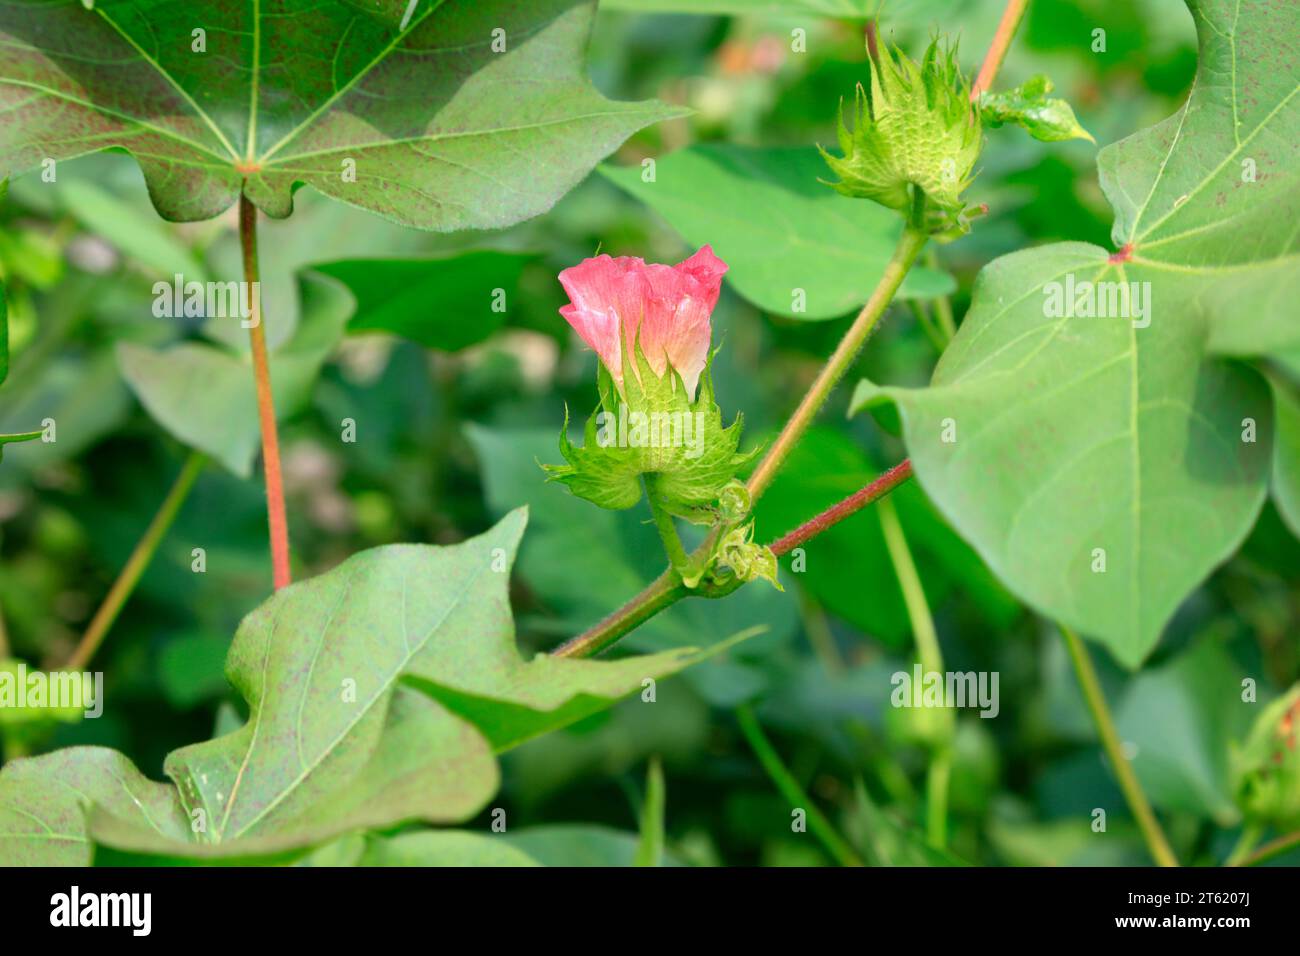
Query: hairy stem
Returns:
{"type": "Point", "coordinates": [663, 591]}
{"type": "Point", "coordinates": [1105, 724]}
{"type": "Point", "coordinates": [1012, 14]}
{"type": "Point", "coordinates": [276, 520]}
{"type": "Point", "coordinates": [850, 506]}
{"type": "Point", "coordinates": [136, 563]}
{"type": "Point", "coordinates": [820, 826]}
{"type": "Point", "coordinates": [909, 246]}
{"type": "Point", "coordinates": [931, 658]}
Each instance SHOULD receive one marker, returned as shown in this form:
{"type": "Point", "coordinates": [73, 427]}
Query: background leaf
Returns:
{"type": "Point", "coordinates": [778, 228]}
{"type": "Point", "coordinates": [205, 395]}
{"type": "Point", "coordinates": [445, 304]}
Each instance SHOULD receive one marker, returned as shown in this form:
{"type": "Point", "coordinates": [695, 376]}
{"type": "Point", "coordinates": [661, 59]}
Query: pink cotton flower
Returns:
{"type": "Point", "coordinates": [665, 309]}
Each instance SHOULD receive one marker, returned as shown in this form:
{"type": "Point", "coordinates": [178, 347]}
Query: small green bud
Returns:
{"type": "Point", "coordinates": [734, 502]}
{"type": "Point", "coordinates": [1049, 120]}
{"type": "Point", "coordinates": [915, 128]}
{"type": "Point", "coordinates": [745, 559]}
{"type": "Point", "coordinates": [1266, 769]}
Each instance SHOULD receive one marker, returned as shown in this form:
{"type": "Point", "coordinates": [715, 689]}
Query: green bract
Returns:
{"type": "Point", "coordinates": [914, 128]}
{"type": "Point", "coordinates": [687, 455]}
{"type": "Point", "coordinates": [745, 559]}
{"type": "Point", "coordinates": [1049, 120]}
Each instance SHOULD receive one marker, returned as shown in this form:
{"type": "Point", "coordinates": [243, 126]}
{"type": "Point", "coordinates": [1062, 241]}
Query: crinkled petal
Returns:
{"type": "Point", "coordinates": [666, 310]}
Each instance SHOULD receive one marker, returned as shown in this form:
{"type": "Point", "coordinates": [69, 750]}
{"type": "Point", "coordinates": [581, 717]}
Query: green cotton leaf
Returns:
{"type": "Point", "coordinates": [1028, 106]}
{"type": "Point", "coordinates": [44, 802]}
{"type": "Point", "coordinates": [205, 395]}
{"type": "Point", "coordinates": [1085, 430]}
{"type": "Point", "coordinates": [792, 246]}
{"type": "Point", "coordinates": [446, 304]}
{"type": "Point", "coordinates": [442, 115]}
{"type": "Point", "coordinates": [377, 693]}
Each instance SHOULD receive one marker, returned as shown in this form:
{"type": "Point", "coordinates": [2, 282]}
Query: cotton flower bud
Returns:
{"type": "Point", "coordinates": [915, 137]}
{"type": "Point", "coordinates": [745, 559]}
{"type": "Point", "coordinates": [651, 326]}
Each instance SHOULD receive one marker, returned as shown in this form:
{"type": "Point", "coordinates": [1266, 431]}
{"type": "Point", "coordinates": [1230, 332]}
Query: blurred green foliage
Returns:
{"type": "Point", "coordinates": [449, 441]}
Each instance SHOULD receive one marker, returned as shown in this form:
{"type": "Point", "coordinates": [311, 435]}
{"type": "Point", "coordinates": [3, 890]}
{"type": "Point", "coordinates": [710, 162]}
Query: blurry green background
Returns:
{"type": "Point", "coordinates": [446, 442]}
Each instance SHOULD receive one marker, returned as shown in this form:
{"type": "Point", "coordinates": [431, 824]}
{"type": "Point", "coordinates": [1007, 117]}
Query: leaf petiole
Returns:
{"type": "Point", "coordinates": [275, 511]}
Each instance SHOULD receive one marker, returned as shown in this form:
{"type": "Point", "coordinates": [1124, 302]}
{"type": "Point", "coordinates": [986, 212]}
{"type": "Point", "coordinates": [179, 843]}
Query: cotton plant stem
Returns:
{"type": "Point", "coordinates": [790, 789]}
{"type": "Point", "coordinates": [931, 658]}
{"type": "Point", "coordinates": [909, 247]}
{"type": "Point", "coordinates": [1105, 724]}
{"type": "Point", "coordinates": [837, 512]}
{"type": "Point", "coordinates": [277, 522]}
{"type": "Point", "coordinates": [664, 591]}
{"type": "Point", "coordinates": [1012, 14]}
{"type": "Point", "coordinates": [667, 589]}
{"type": "Point", "coordinates": [135, 565]}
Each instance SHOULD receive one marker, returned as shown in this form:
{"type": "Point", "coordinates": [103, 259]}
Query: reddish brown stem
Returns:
{"type": "Point", "coordinates": [844, 509]}
{"type": "Point", "coordinates": [667, 589]}
{"type": "Point", "coordinates": [1012, 14]}
{"type": "Point", "coordinates": [278, 524]}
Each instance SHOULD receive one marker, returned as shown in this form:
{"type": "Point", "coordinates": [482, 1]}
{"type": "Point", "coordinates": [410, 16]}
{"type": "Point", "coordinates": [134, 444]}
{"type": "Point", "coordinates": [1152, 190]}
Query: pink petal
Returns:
{"type": "Point", "coordinates": [664, 309]}
{"type": "Point", "coordinates": [678, 330]}
{"type": "Point", "coordinates": [604, 293]}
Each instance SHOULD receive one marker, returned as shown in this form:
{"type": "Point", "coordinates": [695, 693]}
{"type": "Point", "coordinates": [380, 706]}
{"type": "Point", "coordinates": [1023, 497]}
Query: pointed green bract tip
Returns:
{"type": "Point", "coordinates": [1028, 106]}
{"type": "Point", "coordinates": [655, 428]}
{"type": "Point", "coordinates": [914, 128]}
